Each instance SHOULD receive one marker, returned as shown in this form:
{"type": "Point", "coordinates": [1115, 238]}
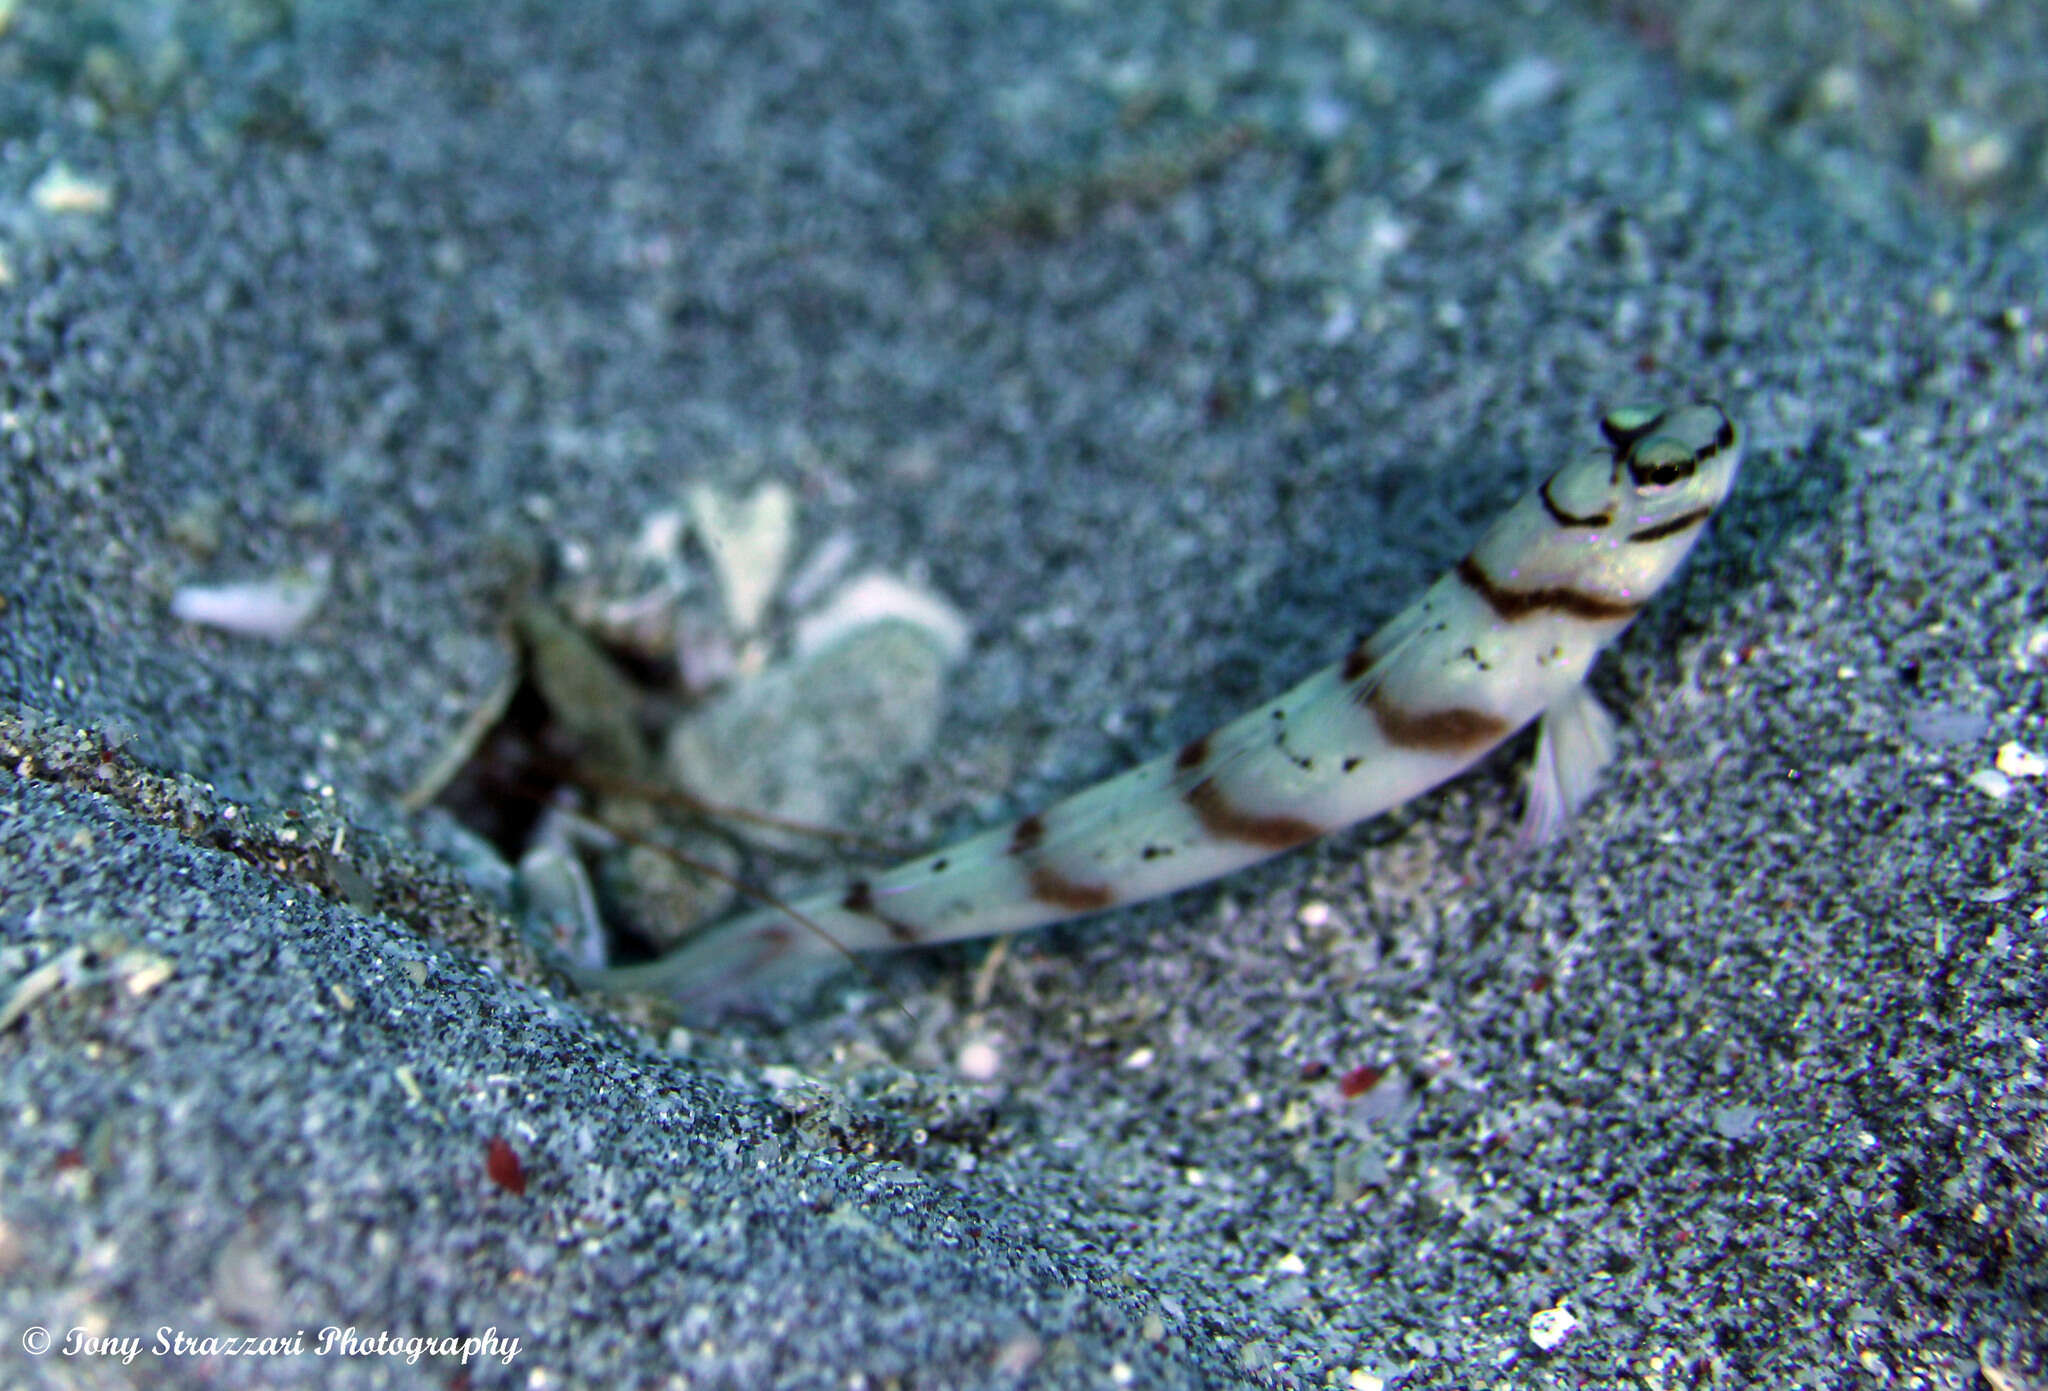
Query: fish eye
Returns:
{"type": "Point", "coordinates": [1661, 463]}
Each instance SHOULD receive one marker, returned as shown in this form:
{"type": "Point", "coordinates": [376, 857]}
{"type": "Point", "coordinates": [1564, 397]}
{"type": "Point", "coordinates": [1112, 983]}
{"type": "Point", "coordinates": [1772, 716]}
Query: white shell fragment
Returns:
{"type": "Point", "coordinates": [873, 597]}
{"type": "Point", "coordinates": [1992, 783]}
{"type": "Point", "coordinates": [749, 544]}
{"type": "Point", "coordinates": [141, 972]}
{"type": "Point", "coordinates": [38, 983]}
{"type": "Point", "coordinates": [1524, 84]}
{"type": "Point", "coordinates": [2030, 653]}
{"type": "Point", "coordinates": [273, 607]}
{"type": "Point", "coordinates": [62, 191]}
{"type": "Point", "coordinates": [1548, 1328]}
{"type": "Point", "coordinates": [661, 537]}
{"type": "Point", "coordinates": [2016, 760]}
{"type": "Point", "coordinates": [979, 1060]}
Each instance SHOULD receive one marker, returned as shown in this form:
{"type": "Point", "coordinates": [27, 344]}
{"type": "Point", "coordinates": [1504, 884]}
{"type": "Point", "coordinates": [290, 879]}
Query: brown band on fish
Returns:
{"type": "Point", "coordinates": [1455, 729]}
{"type": "Point", "coordinates": [1048, 885]}
{"type": "Point", "coordinates": [860, 898]}
{"type": "Point", "coordinates": [1029, 832]}
{"type": "Point", "coordinates": [1513, 605]}
{"type": "Point", "coordinates": [1212, 807]}
{"type": "Point", "coordinates": [776, 939]}
{"type": "Point", "coordinates": [1358, 661]}
{"type": "Point", "coordinates": [1683, 522]}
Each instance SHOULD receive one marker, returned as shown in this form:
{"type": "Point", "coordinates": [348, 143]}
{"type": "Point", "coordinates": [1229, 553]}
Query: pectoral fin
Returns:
{"type": "Point", "coordinates": [1574, 742]}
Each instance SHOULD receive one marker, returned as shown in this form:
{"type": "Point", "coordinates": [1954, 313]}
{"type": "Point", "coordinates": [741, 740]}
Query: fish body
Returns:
{"type": "Point", "coordinates": [1505, 637]}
